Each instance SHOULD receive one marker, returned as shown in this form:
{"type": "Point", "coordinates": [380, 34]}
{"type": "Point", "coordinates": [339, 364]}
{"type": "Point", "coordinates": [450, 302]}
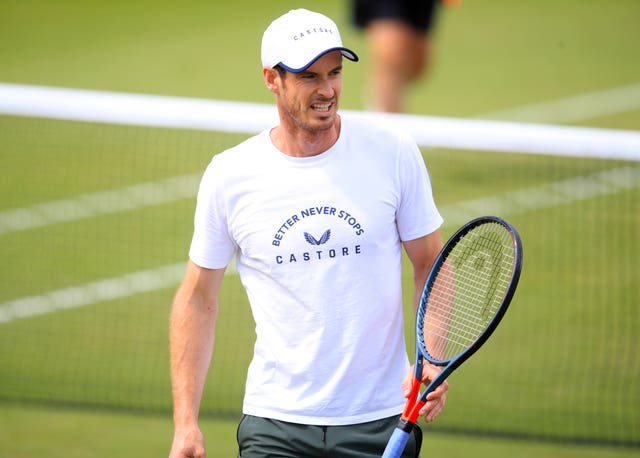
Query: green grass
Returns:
{"type": "Point", "coordinates": [33, 433]}
{"type": "Point", "coordinates": [563, 363]}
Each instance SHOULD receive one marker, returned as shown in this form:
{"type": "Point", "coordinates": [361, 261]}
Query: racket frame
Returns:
{"type": "Point", "coordinates": [411, 411]}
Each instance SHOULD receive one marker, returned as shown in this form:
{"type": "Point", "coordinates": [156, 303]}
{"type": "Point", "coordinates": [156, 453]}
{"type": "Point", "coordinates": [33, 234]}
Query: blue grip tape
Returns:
{"type": "Point", "coordinates": [396, 444]}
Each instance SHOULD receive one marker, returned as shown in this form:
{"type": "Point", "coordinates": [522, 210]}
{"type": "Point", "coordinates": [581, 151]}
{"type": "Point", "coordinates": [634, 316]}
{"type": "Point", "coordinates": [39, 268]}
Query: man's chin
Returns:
{"type": "Point", "coordinates": [323, 122]}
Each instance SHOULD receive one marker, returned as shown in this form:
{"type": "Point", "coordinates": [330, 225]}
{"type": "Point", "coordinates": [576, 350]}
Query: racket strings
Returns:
{"type": "Point", "coordinates": [467, 291]}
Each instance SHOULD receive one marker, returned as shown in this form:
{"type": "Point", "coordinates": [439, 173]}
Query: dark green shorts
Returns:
{"type": "Point", "coordinates": [263, 437]}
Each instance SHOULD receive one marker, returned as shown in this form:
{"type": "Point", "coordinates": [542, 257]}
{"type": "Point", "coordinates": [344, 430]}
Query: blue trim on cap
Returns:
{"type": "Point", "coordinates": [346, 52]}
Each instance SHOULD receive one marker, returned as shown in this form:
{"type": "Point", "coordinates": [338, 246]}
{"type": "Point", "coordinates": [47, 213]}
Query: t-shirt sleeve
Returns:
{"type": "Point", "coordinates": [211, 245]}
{"type": "Point", "coordinates": [417, 213]}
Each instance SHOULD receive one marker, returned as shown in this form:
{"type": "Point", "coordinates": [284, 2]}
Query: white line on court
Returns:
{"type": "Point", "coordinates": [90, 293]}
{"type": "Point", "coordinates": [573, 109]}
{"type": "Point", "coordinates": [127, 198]}
{"type": "Point", "coordinates": [509, 203]}
{"type": "Point", "coordinates": [544, 196]}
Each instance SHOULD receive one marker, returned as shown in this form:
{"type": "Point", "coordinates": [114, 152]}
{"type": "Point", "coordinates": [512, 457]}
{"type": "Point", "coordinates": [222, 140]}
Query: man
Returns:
{"type": "Point", "coordinates": [316, 210]}
{"type": "Point", "coordinates": [398, 37]}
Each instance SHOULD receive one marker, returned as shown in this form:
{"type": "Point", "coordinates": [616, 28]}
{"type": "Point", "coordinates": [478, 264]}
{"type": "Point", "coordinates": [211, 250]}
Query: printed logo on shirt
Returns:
{"type": "Point", "coordinates": [323, 250]}
{"type": "Point", "coordinates": [321, 241]}
{"type": "Point", "coordinates": [290, 222]}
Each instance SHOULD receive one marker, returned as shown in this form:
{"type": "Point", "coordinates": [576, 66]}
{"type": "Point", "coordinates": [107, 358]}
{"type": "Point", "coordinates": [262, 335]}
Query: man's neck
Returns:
{"type": "Point", "coordinates": [296, 142]}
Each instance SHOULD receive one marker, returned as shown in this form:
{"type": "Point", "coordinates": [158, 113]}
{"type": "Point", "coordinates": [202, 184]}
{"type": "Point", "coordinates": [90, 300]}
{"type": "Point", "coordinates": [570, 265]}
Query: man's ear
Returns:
{"type": "Point", "coordinates": [271, 79]}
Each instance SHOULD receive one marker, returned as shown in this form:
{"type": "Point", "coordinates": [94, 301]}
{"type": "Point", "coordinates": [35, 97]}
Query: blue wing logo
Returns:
{"type": "Point", "coordinates": [321, 241]}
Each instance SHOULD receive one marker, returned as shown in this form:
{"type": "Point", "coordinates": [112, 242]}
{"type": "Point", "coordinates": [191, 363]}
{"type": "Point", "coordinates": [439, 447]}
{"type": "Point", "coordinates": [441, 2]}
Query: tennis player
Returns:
{"type": "Point", "coordinates": [317, 210]}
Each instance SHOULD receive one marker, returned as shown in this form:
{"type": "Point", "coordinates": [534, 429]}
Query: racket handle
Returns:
{"type": "Point", "coordinates": [396, 444]}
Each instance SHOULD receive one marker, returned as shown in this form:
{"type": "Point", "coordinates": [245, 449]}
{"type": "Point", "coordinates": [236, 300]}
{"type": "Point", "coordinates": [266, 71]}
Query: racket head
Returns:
{"type": "Point", "coordinates": [468, 290]}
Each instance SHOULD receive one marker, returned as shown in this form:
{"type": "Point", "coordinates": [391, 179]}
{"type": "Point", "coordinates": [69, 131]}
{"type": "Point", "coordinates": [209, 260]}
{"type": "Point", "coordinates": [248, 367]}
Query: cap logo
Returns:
{"type": "Point", "coordinates": [304, 33]}
{"type": "Point", "coordinates": [298, 38]}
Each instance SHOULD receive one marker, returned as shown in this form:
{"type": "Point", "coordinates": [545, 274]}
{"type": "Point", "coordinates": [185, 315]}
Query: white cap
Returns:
{"type": "Point", "coordinates": [298, 38]}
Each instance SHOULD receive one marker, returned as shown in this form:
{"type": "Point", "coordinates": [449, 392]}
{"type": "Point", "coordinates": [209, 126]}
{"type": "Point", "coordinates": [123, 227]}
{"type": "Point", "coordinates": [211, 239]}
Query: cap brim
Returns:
{"type": "Point", "coordinates": [346, 52]}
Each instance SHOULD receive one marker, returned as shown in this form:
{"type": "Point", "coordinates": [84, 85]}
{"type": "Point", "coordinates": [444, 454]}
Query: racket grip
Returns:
{"type": "Point", "coordinates": [396, 444]}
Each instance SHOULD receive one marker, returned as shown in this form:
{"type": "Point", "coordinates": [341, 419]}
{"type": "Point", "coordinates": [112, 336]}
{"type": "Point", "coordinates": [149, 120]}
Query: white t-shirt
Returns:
{"type": "Point", "coordinates": [318, 247]}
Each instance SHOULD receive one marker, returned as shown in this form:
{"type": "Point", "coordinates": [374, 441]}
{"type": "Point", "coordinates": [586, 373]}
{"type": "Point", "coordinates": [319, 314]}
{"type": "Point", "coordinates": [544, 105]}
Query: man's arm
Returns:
{"type": "Point", "coordinates": [191, 339]}
{"type": "Point", "coordinates": [422, 253]}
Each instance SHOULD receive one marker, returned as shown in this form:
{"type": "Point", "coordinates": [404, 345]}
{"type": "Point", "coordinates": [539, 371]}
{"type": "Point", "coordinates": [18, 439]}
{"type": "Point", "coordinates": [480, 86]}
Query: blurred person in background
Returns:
{"type": "Point", "coordinates": [399, 36]}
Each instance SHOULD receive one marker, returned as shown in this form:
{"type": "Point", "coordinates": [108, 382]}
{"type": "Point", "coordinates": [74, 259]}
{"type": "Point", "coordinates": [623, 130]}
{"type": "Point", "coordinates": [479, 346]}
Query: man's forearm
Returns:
{"type": "Point", "coordinates": [192, 337]}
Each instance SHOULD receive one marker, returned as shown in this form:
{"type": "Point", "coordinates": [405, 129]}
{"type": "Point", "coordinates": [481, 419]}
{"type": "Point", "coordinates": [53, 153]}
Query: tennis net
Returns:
{"type": "Point", "coordinates": [95, 221]}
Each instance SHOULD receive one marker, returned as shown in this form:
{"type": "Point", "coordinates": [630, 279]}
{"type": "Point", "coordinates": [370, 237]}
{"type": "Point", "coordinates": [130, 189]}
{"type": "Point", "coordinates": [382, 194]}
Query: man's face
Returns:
{"type": "Point", "coordinates": [309, 99]}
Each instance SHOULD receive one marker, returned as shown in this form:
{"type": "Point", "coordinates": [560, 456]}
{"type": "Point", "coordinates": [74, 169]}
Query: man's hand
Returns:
{"type": "Point", "coordinates": [436, 399]}
{"type": "Point", "coordinates": [188, 444]}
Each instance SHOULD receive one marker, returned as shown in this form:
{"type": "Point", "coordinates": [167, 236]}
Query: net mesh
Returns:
{"type": "Point", "coordinates": [95, 223]}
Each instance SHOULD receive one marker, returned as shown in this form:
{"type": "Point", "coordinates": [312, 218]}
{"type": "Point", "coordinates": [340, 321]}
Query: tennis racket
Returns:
{"type": "Point", "coordinates": [464, 298]}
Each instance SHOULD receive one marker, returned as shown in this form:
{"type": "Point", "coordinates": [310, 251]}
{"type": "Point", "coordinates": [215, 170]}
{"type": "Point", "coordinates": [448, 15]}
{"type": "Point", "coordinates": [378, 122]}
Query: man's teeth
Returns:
{"type": "Point", "coordinates": [321, 106]}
